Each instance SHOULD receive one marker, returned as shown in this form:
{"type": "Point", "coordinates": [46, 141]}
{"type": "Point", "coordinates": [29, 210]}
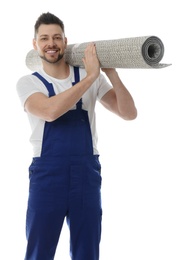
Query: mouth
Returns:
{"type": "Point", "coordinates": [51, 51]}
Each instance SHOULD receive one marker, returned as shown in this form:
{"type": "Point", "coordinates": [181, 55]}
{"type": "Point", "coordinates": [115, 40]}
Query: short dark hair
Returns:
{"type": "Point", "coordinates": [47, 18]}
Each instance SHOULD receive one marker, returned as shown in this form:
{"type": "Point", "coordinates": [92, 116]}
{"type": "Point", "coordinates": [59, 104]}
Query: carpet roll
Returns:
{"type": "Point", "coordinates": [136, 52]}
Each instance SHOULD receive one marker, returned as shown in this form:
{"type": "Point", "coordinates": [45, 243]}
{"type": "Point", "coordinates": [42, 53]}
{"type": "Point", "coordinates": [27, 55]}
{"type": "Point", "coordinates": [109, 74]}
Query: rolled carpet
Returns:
{"type": "Point", "coordinates": [136, 52]}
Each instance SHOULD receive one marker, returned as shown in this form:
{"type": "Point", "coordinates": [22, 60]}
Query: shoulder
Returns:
{"type": "Point", "coordinates": [30, 78]}
{"type": "Point", "coordinates": [27, 82]}
{"type": "Point", "coordinates": [101, 79]}
{"type": "Point", "coordinates": [28, 85]}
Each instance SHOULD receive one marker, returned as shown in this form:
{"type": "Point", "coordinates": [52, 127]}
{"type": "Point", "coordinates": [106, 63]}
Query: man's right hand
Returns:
{"type": "Point", "coordinates": [91, 62]}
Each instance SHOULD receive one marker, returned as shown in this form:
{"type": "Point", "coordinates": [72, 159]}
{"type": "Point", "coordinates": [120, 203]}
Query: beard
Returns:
{"type": "Point", "coordinates": [60, 56]}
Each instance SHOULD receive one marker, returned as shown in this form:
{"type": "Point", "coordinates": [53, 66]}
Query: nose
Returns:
{"type": "Point", "coordinates": [51, 42]}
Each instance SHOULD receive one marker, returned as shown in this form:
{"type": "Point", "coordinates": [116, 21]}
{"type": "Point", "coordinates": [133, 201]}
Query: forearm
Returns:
{"type": "Point", "coordinates": [49, 109]}
{"type": "Point", "coordinates": [125, 103]}
{"type": "Point", "coordinates": [61, 103]}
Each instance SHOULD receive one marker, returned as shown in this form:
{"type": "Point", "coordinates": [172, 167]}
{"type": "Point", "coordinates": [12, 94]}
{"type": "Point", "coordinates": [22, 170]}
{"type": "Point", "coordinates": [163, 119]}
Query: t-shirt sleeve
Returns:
{"type": "Point", "coordinates": [104, 86]}
{"type": "Point", "coordinates": [28, 85]}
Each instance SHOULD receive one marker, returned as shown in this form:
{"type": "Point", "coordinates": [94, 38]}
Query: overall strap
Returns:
{"type": "Point", "coordinates": [48, 85]}
{"type": "Point", "coordinates": [77, 79]}
{"type": "Point", "coordinates": [77, 75]}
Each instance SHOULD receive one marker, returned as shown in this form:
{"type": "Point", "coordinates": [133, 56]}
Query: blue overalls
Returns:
{"type": "Point", "coordinates": [65, 182]}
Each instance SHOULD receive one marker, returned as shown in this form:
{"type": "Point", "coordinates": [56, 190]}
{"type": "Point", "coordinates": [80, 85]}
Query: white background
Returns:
{"type": "Point", "coordinates": [142, 161]}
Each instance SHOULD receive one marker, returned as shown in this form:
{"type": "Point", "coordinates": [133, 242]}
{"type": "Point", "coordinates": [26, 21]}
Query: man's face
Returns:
{"type": "Point", "coordinates": [50, 42]}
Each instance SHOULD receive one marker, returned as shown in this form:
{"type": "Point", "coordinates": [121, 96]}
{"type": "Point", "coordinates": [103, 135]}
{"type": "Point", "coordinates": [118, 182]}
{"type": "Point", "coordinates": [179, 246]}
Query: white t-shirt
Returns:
{"type": "Point", "coordinates": [29, 84]}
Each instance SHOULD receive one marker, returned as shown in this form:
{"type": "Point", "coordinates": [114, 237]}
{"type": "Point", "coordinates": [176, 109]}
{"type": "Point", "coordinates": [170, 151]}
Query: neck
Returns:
{"type": "Point", "coordinates": [59, 70]}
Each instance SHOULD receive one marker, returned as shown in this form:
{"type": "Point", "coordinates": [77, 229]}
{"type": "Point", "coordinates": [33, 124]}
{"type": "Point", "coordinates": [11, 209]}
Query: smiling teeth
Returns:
{"type": "Point", "coordinates": [51, 51]}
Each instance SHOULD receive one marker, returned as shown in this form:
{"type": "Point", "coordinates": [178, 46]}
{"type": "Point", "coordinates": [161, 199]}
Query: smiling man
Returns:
{"type": "Point", "coordinates": [65, 173]}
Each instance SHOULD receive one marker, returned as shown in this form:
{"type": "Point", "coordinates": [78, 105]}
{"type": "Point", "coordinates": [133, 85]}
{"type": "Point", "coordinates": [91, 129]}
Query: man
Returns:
{"type": "Point", "coordinates": [65, 174]}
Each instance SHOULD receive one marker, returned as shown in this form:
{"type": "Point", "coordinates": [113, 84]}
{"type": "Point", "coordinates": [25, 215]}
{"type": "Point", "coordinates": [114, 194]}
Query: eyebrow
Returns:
{"type": "Point", "coordinates": [44, 35]}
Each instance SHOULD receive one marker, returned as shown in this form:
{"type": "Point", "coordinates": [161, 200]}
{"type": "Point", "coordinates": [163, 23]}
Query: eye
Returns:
{"type": "Point", "coordinates": [57, 38]}
{"type": "Point", "coordinates": [43, 39]}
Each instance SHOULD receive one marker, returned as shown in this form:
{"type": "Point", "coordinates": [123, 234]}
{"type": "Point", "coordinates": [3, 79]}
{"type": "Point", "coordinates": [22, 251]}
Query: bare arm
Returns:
{"type": "Point", "coordinates": [118, 100]}
{"type": "Point", "coordinates": [51, 108]}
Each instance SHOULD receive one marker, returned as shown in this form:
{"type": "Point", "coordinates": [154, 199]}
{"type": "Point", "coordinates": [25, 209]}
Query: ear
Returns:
{"type": "Point", "coordinates": [65, 41]}
{"type": "Point", "coordinates": [34, 44]}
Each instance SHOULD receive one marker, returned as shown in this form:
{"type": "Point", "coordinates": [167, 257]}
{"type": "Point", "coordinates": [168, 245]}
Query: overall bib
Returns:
{"type": "Point", "coordinates": [65, 182]}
